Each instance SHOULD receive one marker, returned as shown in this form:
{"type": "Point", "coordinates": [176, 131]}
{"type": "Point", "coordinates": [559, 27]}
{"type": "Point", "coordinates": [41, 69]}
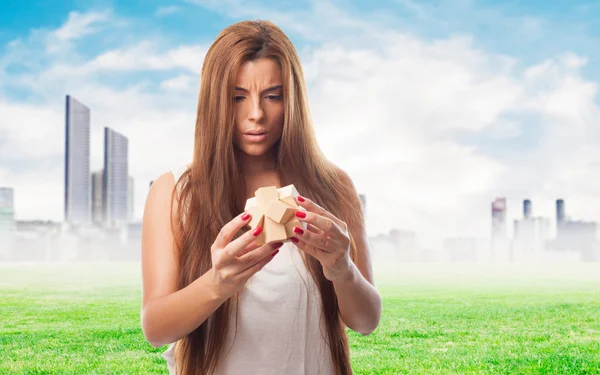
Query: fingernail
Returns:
{"type": "Point", "coordinates": [277, 245]}
{"type": "Point", "coordinates": [298, 230]}
{"type": "Point", "coordinates": [294, 239]}
{"type": "Point", "coordinates": [275, 252]}
{"type": "Point", "coordinates": [257, 231]}
{"type": "Point", "coordinates": [301, 214]}
{"type": "Point", "coordinates": [300, 198]}
{"type": "Point", "coordinates": [246, 216]}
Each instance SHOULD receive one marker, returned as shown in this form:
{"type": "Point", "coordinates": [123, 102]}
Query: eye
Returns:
{"type": "Point", "coordinates": [275, 97]}
{"type": "Point", "coordinates": [238, 98]}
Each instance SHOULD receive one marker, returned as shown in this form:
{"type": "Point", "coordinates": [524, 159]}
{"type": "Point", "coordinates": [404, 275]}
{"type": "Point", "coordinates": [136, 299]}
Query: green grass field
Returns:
{"type": "Point", "coordinates": [438, 319]}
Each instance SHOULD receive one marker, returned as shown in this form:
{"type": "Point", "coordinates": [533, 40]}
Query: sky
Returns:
{"type": "Point", "coordinates": [433, 108]}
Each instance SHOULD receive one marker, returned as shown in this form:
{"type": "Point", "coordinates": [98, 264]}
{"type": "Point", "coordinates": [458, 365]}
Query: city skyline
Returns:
{"type": "Point", "coordinates": [431, 120]}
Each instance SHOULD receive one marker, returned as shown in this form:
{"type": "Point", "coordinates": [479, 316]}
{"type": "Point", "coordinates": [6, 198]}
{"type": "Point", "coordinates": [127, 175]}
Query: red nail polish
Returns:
{"type": "Point", "coordinates": [277, 245]}
{"type": "Point", "coordinates": [246, 216]}
{"type": "Point", "coordinates": [257, 231]}
{"type": "Point", "coordinates": [300, 198]}
{"type": "Point", "coordinates": [294, 239]}
{"type": "Point", "coordinates": [301, 214]}
{"type": "Point", "coordinates": [298, 230]}
{"type": "Point", "coordinates": [275, 252]}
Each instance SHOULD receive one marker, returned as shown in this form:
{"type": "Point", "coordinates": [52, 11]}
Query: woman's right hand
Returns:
{"type": "Point", "coordinates": [234, 262]}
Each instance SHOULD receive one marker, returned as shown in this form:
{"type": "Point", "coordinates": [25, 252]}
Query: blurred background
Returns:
{"type": "Point", "coordinates": [471, 129]}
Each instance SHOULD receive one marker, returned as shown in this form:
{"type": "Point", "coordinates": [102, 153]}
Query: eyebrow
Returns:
{"type": "Point", "coordinates": [272, 88]}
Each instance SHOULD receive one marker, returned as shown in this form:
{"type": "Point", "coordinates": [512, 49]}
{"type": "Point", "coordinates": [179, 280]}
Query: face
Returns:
{"type": "Point", "coordinates": [258, 106]}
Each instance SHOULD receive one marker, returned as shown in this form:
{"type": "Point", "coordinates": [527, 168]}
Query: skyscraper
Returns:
{"type": "Point", "coordinates": [363, 202]}
{"type": "Point", "coordinates": [77, 162]}
{"type": "Point", "coordinates": [527, 209]}
{"type": "Point", "coordinates": [560, 214]}
{"type": "Point", "coordinates": [115, 181]}
{"type": "Point", "coordinates": [499, 218]}
{"type": "Point", "coordinates": [97, 197]}
{"type": "Point", "coordinates": [7, 208]}
{"type": "Point", "coordinates": [130, 196]}
{"type": "Point", "coordinates": [500, 248]}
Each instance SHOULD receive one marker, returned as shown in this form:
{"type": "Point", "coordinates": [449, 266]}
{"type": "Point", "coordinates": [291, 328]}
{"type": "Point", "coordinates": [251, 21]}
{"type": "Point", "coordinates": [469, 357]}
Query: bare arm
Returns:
{"type": "Point", "coordinates": [359, 301]}
{"type": "Point", "coordinates": [328, 239]}
{"type": "Point", "coordinates": [168, 314]}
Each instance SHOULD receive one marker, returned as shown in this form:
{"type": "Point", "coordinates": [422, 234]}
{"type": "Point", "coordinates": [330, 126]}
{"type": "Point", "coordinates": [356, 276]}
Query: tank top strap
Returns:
{"type": "Point", "coordinates": [179, 171]}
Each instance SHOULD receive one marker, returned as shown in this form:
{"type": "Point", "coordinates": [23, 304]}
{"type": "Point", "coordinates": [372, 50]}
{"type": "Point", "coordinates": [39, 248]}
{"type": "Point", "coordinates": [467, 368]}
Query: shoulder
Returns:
{"type": "Point", "coordinates": [159, 196]}
{"type": "Point", "coordinates": [162, 184]}
{"type": "Point", "coordinates": [160, 206]}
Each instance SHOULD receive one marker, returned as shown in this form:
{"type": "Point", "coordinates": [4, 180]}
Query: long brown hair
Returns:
{"type": "Point", "coordinates": [212, 190]}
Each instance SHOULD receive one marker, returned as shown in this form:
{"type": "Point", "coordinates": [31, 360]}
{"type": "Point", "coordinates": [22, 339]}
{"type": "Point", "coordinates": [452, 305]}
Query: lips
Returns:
{"type": "Point", "coordinates": [256, 132]}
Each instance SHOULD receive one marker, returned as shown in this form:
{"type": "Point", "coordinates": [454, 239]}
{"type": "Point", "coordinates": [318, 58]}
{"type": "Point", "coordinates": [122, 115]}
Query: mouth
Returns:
{"type": "Point", "coordinates": [256, 132]}
{"type": "Point", "coordinates": [256, 136]}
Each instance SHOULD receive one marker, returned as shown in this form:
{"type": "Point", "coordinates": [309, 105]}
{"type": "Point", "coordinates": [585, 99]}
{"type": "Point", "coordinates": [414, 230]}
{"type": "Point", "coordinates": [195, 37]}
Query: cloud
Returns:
{"type": "Point", "coordinates": [167, 10]}
{"type": "Point", "coordinates": [394, 111]}
{"type": "Point", "coordinates": [430, 129]}
{"type": "Point", "coordinates": [181, 83]}
{"type": "Point", "coordinates": [79, 25]}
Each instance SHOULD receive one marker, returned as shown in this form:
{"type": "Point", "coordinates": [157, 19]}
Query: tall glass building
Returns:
{"type": "Point", "coordinates": [116, 178]}
{"type": "Point", "coordinates": [77, 163]}
{"type": "Point", "coordinates": [130, 199]}
{"type": "Point", "coordinates": [97, 203]}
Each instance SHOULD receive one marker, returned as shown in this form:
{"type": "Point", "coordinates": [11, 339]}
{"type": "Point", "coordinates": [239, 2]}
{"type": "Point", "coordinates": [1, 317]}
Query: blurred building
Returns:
{"type": "Point", "coordinates": [531, 235]}
{"type": "Point", "coordinates": [97, 197]}
{"type": "Point", "coordinates": [560, 215]}
{"type": "Point", "coordinates": [7, 222]}
{"type": "Point", "coordinates": [499, 218]}
{"type": "Point", "coordinates": [116, 178]}
{"type": "Point", "coordinates": [500, 244]}
{"type": "Point", "coordinates": [576, 235]}
{"type": "Point", "coordinates": [130, 199]}
{"type": "Point", "coordinates": [406, 245]}
{"type": "Point", "coordinates": [37, 241]}
{"type": "Point", "coordinates": [397, 246]}
{"type": "Point", "coordinates": [363, 202]}
{"type": "Point", "coordinates": [527, 209]}
{"type": "Point", "coordinates": [77, 163]}
{"type": "Point", "coordinates": [465, 249]}
{"type": "Point", "coordinates": [580, 236]}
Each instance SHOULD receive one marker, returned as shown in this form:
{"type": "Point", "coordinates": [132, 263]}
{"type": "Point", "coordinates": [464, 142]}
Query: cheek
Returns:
{"type": "Point", "coordinates": [276, 115]}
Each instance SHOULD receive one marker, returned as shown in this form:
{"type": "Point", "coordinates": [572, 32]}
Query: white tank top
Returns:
{"type": "Point", "coordinates": [280, 330]}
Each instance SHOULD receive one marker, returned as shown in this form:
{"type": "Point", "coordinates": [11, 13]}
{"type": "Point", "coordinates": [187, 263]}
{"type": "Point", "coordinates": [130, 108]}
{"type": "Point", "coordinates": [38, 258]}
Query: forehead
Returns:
{"type": "Point", "coordinates": [258, 72]}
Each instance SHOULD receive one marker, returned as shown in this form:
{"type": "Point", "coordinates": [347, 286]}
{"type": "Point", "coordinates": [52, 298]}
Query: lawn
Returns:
{"type": "Point", "coordinates": [438, 319]}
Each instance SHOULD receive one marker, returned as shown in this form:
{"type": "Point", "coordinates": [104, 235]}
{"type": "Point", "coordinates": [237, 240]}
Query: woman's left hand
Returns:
{"type": "Point", "coordinates": [326, 238]}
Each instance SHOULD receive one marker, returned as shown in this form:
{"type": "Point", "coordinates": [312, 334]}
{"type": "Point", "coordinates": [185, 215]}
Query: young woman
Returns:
{"type": "Point", "coordinates": [224, 304]}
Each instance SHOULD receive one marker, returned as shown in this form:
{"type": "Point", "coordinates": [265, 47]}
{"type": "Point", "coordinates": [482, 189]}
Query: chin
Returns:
{"type": "Point", "coordinates": [255, 150]}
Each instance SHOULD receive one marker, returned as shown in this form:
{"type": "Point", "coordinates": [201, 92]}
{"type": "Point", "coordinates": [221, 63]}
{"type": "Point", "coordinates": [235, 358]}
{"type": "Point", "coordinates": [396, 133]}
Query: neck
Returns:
{"type": "Point", "coordinates": [256, 165]}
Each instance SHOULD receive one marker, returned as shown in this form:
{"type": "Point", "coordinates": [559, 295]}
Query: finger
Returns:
{"type": "Point", "coordinates": [251, 258]}
{"type": "Point", "coordinates": [247, 273]}
{"type": "Point", "coordinates": [230, 229]}
{"type": "Point", "coordinates": [322, 223]}
{"type": "Point", "coordinates": [311, 206]}
{"type": "Point", "coordinates": [239, 244]}
{"type": "Point", "coordinates": [320, 241]}
{"type": "Point", "coordinates": [307, 248]}
{"type": "Point", "coordinates": [253, 246]}
{"type": "Point", "coordinates": [314, 229]}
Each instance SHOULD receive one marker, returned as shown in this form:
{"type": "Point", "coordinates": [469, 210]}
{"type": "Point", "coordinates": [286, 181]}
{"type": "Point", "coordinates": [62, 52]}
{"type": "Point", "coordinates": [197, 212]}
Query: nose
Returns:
{"type": "Point", "coordinates": [256, 113]}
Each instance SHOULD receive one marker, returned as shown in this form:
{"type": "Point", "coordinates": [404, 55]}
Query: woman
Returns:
{"type": "Point", "coordinates": [225, 304]}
